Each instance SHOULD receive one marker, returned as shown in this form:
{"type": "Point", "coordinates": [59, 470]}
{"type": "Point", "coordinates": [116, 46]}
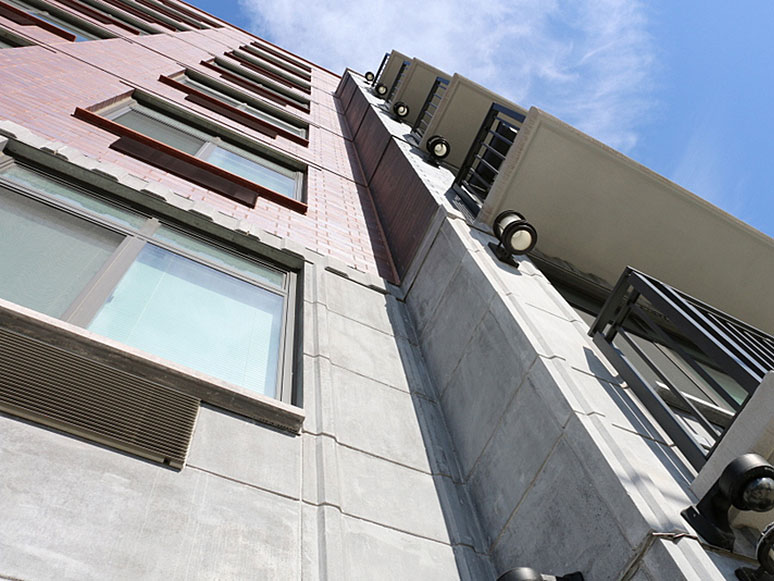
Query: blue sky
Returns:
{"type": "Point", "coordinates": [685, 88]}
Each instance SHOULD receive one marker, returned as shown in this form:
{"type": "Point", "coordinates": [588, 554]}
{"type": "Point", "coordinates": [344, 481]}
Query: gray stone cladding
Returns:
{"type": "Point", "coordinates": [565, 468]}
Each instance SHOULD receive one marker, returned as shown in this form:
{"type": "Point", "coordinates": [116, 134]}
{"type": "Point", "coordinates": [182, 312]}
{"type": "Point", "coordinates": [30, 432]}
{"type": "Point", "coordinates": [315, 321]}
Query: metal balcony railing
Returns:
{"type": "Point", "coordinates": [691, 344]}
{"type": "Point", "coordinates": [396, 83]}
{"type": "Point", "coordinates": [486, 154]}
{"type": "Point", "coordinates": [429, 107]}
{"type": "Point", "coordinates": [380, 69]}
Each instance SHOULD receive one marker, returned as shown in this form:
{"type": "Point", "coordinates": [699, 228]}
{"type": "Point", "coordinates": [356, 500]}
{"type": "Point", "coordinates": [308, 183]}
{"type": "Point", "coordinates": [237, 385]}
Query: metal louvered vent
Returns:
{"type": "Point", "coordinates": [86, 398]}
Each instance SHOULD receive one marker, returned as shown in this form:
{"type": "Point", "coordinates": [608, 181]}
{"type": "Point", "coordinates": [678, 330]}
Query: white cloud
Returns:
{"type": "Point", "coordinates": [590, 63]}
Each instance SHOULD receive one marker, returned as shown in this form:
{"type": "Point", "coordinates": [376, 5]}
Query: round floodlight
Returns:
{"type": "Point", "coordinates": [369, 76]}
{"type": "Point", "coordinates": [400, 109]}
{"type": "Point", "coordinates": [381, 90]}
{"type": "Point", "coordinates": [515, 234]}
{"type": "Point", "coordinates": [758, 495]}
{"type": "Point", "coordinates": [748, 482]}
{"type": "Point", "coordinates": [521, 574]}
{"type": "Point", "coordinates": [438, 147]}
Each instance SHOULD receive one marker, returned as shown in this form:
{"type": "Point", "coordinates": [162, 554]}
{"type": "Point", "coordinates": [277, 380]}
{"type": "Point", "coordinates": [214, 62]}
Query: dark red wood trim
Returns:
{"type": "Point", "coordinates": [252, 86]}
{"type": "Point", "coordinates": [26, 19]}
{"type": "Point", "coordinates": [267, 73]}
{"type": "Point", "coordinates": [111, 101]}
{"type": "Point", "coordinates": [284, 57]}
{"type": "Point", "coordinates": [140, 14]}
{"type": "Point", "coordinates": [97, 15]}
{"type": "Point", "coordinates": [185, 165]}
{"type": "Point", "coordinates": [249, 48]}
{"type": "Point", "coordinates": [243, 117]}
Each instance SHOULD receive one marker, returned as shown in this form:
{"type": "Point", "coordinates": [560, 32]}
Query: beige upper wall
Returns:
{"type": "Point", "coordinates": [415, 87]}
{"type": "Point", "coordinates": [601, 211]}
{"type": "Point", "coordinates": [459, 116]}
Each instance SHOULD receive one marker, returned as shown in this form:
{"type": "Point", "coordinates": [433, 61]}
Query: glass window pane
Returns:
{"type": "Point", "coordinates": [43, 183]}
{"type": "Point", "coordinates": [48, 256]}
{"type": "Point", "coordinates": [197, 316]}
{"type": "Point", "coordinates": [242, 265]}
{"type": "Point", "coordinates": [253, 171]}
{"type": "Point", "coordinates": [160, 131]}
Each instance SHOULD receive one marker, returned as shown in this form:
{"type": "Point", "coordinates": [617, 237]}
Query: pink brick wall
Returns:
{"type": "Point", "coordinates": [42, 86]}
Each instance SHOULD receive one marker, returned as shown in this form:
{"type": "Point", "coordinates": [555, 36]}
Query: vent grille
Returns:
{"type": "Point", "coordinates": [86, 398]}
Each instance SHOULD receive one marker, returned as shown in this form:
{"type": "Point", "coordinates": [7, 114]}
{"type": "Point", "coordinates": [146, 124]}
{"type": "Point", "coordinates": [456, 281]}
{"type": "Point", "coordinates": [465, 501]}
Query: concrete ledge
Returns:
{"type": "Point", "coordinates": [170, 375]}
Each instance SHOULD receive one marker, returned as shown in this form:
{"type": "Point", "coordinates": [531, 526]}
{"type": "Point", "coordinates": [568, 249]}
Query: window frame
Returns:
{"type": "Point", "coordinates": [251, 84]}
{"type": "Point", "coordinates": [153, 15]}
{"type": "Point", "coordinates": [100, 13]}
{"type": "Point", "coordinates": [280, 93]}
{"type": "Point", "coordinates": [190, 167]}
{"type": "Point", "coordinates": [95, 292]}
{"type": "Point", "coordinates": [280, 54]}
{"type": "Point", "coordinates": [189, 82]}
{"type": "Point", "coordinates": [60, 19]}
{"type": "Point", "coordinates": [260, 52]}
{"type": "Point", "coordinates": [125, 16]}
{"type": "Point", "coordinates": [270, 70]}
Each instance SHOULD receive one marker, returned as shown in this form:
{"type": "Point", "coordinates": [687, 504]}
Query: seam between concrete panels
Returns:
{"type": "Point", "coordinates": [345, 316]}
{"type": "Point", "coordinates": [324, 434]}
{"type": "Point", "coordinates": [497, 539]}
{"type": "Point", "coordinates": [242, 482]}
{"type": "Point", "coordinates": [465, 346]}
{"type": "Point", "coordinates": [466, 477]}
{"type": "Point", "coordinates": [407, 392]}
{"type": "Point", "coordinates": [392, 528]}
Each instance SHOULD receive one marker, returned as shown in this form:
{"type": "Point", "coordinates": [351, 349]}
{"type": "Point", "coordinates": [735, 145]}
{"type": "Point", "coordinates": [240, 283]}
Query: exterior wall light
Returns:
{"type": "Point", "coordinates": [369, 76]}
{"type": "Point", "coordinates": [747, 483]}
{"type": "Point", "coordinates": [764, 552]}
{"type": "Point", "coordinates": [527, 574]}
{"type": "Point", "coordinates": [516, 236]}
{"type": "Point", "coordinates": [400, 109]}
{"type": "Point", "coordinates": [438, 147]}
{"type": "Point", "coordinates": [381, 90]}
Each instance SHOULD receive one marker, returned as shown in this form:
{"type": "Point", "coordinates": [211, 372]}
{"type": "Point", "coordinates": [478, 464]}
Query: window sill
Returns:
{"type": "Point", "coordinates": [93, 347]}
{"type": "Point", "coordinates": [174, 161]}
{"type": "Point", "coordinates": [232, 113]}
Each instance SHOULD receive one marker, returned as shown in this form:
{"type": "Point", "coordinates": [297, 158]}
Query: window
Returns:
{"type": "Point", "coordinates": [120, 9]}
{"type": "Point", "coordinates": [60, 19]}
{"type": "Point", "coordinates": [105, 15]}
{"type": "Point", "coordinates": [210, 148]}
{"type": "Point", "coordinates": [282, 121]}
{"type": "Point", "coordinates": [280, 74]}
{"type": "Point", "coordinates": [146, 11]}
{"type": "Point", "coordinates": [232, 70]}
{"type": "Point", "coordinates": [145, 282]}
{"type": "Point", "coordinates": [280, 59]}
{"type": "Point", "coordinates": [124, 16]}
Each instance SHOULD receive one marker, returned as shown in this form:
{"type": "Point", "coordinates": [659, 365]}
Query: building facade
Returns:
{"type": "Point", "coordinates": [252, 328]}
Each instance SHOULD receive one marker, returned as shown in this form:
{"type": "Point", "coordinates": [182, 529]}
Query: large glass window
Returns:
{"type": "Point", "coordinates": [212, 149]}
{"type": "Point", "coordinates": [150, 285]}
